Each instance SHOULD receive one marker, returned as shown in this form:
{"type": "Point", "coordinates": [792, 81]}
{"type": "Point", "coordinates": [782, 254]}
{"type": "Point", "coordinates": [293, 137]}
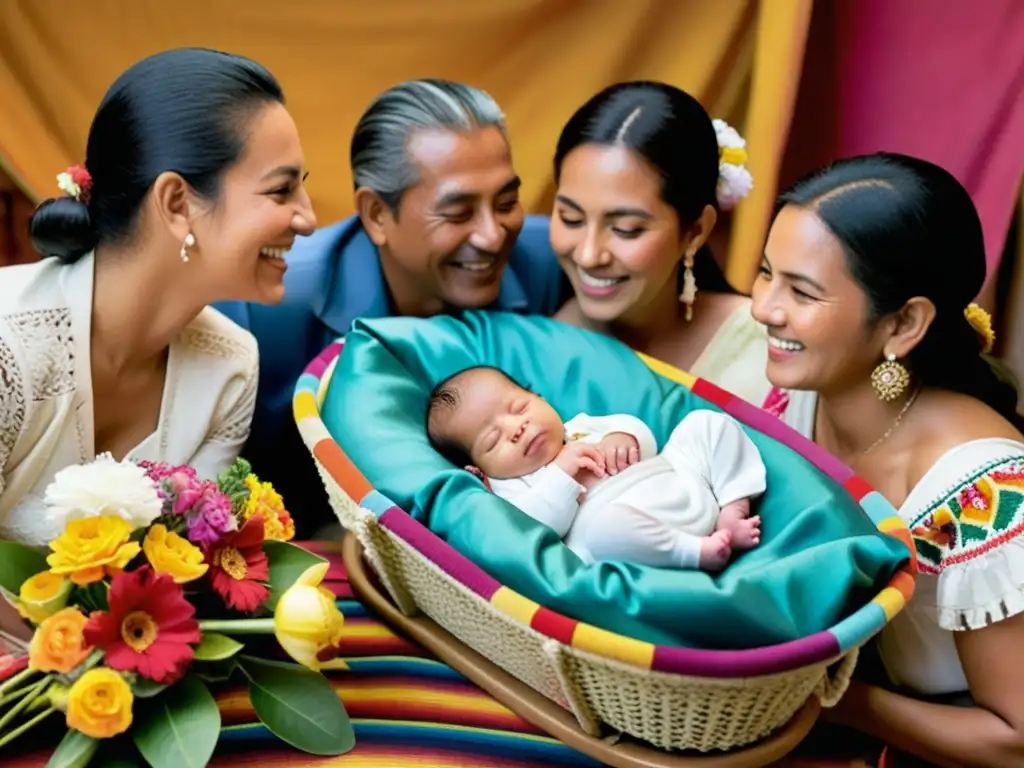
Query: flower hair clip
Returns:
{"type": "Point", "coordinates": [981, 322]}
{"type": "Point", "coordinates": [75, 182]}
{"type": "Point", "coordinates": [734, 180]}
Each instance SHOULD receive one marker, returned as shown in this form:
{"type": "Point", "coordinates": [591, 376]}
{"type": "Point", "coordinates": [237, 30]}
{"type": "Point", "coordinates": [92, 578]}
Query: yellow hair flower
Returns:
{"type": "Point", "coordinates": [981, 322]}
{"type": "Point", "coordinates": [733, 155]}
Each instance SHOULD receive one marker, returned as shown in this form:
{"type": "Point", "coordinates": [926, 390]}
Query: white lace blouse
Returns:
{"type": "Point", "coordinates": [46, 411]}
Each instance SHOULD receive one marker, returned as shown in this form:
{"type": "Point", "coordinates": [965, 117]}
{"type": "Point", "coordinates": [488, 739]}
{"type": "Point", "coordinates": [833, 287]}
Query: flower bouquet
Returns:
{"type": "Point", "coordinates": [154, 593]}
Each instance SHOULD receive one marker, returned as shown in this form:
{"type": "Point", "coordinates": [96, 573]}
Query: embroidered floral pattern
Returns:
{"type": "Point", "coordinates": [980, 513]}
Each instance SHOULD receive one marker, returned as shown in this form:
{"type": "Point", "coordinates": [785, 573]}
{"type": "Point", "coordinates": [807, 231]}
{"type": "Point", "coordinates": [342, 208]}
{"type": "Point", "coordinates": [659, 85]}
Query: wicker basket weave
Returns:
{"type": "Point", "coordinates": [673, 698]}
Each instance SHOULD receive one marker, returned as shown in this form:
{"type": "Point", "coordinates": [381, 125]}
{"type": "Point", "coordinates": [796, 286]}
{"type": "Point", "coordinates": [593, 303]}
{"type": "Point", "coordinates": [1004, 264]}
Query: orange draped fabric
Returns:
{"type": "Point", "coordinates": [539, 58]}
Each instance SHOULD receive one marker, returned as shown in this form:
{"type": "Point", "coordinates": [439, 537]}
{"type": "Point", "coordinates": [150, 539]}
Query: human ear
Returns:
{"type": "Point", "coordinates": [909, 326]}
{"type": "Point", "coordinates": [174, 202]}
{"type": "Point", "coordinates": [374, 214]}
{"type": "Point", "coordinates": [699, 231]}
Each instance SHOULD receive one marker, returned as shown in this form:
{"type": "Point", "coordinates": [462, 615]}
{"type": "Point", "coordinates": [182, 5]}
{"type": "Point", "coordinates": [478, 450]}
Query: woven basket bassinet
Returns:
{"type": "Point", "coordinates": [674, 698]}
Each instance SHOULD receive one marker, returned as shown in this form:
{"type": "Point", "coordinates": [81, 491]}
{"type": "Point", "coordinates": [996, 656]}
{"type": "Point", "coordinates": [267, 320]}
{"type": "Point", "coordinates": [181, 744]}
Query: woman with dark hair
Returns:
{"type": "Point", "coordinates": [642, 173]}
{"type": "Point", "coordinates": [880, 356]}
{"type": "Point", "coordinates": [191, 192]}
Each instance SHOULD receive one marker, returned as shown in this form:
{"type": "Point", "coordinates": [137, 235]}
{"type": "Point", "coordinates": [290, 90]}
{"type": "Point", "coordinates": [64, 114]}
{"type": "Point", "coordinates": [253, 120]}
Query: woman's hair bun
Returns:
{"type": "Point", "coordinates": [61, 227]}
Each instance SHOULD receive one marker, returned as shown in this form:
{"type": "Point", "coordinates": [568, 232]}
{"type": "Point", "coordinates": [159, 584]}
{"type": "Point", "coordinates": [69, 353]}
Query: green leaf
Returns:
{"type": "Point", "coordinates": [287, 562]}
{"type": "Point", "coordinates": [92, 597]}
{"type": "Point", "coordinates": [180, 728]}
{"type": "Point", "coordinates": [144, 688]}
{"type": "Point", "coordinates": [298, 706]}
{"type": "Point", "coordinates": [216, 647]}
{"type": "Point", "coordinates": [19, 563]}
{"type": "Point", "coordinates": [74, 751]}
{"type": "Point", "coordinates": [215, 671]}
{"type": "Point", "coordinates": [118, 752]}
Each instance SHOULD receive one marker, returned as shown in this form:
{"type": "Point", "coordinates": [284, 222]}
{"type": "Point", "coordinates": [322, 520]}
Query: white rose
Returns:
{"type": "Point", "coordinates": [103, 488]}
{"type": "Point", "coordinates": [734, 183]}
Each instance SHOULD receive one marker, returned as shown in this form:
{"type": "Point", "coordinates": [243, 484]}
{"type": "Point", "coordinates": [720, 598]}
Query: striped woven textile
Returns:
{"type": "Point", "coordinates": [407, 710]}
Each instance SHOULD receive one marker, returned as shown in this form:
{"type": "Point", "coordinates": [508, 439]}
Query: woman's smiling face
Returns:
{"type": "Point", "coordinates": [618, 241]}
{"type": "Point", "coordinates": [819, 337]}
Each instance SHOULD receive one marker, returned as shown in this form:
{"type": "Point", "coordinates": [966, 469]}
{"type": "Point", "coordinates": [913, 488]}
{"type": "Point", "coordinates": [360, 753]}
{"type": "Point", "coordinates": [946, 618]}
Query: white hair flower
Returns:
{"type": "Point", "coordinates": [104, 487]}
{"type": "Point", "coordinates": [68, 186]}
{"type": "Point", "coordinates": [734, 180]}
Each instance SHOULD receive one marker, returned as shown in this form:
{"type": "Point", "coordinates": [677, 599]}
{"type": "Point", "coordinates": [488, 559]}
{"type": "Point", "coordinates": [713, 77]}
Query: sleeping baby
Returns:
{"type": "Point", "coordinates": [599, 481]}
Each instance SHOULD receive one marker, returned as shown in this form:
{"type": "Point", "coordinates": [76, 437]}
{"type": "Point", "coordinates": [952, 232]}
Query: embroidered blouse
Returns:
{"type": "Point", "coordinates": [966, 516]}
{"type": "Point", "coordinates": [46, 412]}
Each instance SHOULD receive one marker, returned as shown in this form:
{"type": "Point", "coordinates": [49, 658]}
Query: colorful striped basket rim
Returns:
{"type": "Point", "coordinates": [829, 644]}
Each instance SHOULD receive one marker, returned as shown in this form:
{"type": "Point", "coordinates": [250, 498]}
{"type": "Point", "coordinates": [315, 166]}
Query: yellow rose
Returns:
{"type": "Point", "coordinates": [58, 644]}
{"type": "Point", "coordinates": [169, 553]}
{"type": "Point", "coordinates": [307, 622]}
{"type": "Point", "coordinates": [42, 596]}
{"type": "Point", "coordinates": [91, 547]}
{"type": "Point", "coordinates": [100, 704]}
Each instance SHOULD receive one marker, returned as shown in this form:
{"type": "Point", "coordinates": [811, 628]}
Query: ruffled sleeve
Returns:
{"type": "Point", "coordinates": [969, 533]}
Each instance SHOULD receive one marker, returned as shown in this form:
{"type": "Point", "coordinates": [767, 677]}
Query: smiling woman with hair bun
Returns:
{"type": "Point", "coordinates": [190, 192]}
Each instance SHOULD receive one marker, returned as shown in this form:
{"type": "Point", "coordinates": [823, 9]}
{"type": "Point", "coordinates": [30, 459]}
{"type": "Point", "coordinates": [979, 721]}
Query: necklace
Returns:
{"type": "Point", "coordinates": [895, 424]}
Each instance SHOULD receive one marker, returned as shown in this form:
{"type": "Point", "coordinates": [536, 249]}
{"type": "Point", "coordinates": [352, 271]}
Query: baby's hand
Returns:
{"type": "Point", "coordinates": [620, 450]}
{"type": "Point", "coordinates": [580, 457]}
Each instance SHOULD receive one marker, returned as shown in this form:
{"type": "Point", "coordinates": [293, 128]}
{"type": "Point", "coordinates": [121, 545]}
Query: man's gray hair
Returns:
{"type": "Point", "coordinates": [378, 155]}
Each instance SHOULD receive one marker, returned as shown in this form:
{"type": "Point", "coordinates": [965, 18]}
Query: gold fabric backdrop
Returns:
{"type": "Point", "coordinates": [539, 58]}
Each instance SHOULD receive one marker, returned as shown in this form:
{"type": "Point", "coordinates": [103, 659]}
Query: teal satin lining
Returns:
{"type": "Point", "coordinates": [820, 558]}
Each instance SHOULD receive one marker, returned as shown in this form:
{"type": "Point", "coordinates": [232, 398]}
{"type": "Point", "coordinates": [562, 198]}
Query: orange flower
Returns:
{"type": "Point", "coordinates": [58, 644]}
{"type": "Point", "coordinates": [268, 504]}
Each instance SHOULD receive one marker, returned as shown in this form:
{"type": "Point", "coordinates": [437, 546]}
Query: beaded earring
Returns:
{"type": "Point", "coordinates": [890, 379]}
{"type": "Point", "coordinates": [689, 292]}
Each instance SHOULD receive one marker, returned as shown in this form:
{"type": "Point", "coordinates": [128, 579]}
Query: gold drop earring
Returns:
{"type": "Point", "coordinates": [890, 379]}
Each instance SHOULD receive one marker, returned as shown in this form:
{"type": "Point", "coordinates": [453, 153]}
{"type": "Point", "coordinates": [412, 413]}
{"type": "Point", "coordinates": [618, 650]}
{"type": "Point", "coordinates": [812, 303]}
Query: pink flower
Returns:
{"type": "Point", "coordinates": [210, 517]}
{"type": "Point", "coordinates": [170, 480]}
{"type": "Point", "coordinates": [189, 492]}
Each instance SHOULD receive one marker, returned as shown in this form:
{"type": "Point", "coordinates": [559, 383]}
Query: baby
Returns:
{"type": "Point", "coordinates": [599, 481]}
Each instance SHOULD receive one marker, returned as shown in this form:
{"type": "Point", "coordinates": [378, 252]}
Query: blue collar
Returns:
{"type": "Point", "coordinates": [352, 283]}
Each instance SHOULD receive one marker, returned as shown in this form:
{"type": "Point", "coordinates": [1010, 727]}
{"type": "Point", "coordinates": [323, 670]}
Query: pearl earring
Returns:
{"type": "Point", "coordinates": [190, 240]}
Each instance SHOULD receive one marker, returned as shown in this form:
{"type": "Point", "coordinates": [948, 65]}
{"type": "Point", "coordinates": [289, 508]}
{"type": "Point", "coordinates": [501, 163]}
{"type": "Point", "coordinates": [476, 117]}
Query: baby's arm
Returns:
{"type": "Point", "coordinates": [549, 497]}
{"type": "Point", "coordinates": [594, 428]}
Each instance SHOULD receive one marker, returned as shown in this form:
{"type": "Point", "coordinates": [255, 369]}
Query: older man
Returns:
{"type": "Point", "coordinates": [439, 227]}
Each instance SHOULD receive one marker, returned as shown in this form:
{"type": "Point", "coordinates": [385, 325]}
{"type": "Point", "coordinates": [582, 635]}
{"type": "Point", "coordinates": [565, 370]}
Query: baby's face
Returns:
{"type": "Point", "coordinates": [507, 430]}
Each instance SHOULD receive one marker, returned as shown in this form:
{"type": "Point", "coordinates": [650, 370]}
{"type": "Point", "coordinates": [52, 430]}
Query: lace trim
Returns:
{"type": "Point", "coordinates": [218, 345]}
{"type": "Point", "coordinates": [238, 421]}
{"type": "Point", "coordinates": [48, 343]}
{"type": "Point", "coordinates": [12, 404]}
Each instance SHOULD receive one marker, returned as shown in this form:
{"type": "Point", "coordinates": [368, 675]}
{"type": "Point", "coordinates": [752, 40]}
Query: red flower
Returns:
{"type": "Point", "coordinates": [149, 628]}
{"type": "Point", "coordinates": [81, 177]}
{"type": "Point", "coordinates": [238, 566]}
